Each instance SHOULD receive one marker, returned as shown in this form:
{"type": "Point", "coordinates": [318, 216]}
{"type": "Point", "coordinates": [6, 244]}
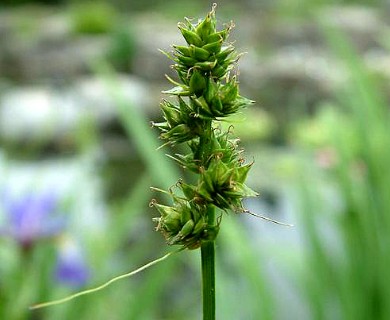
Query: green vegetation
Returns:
{"type": "Point", "coordinates": [93, 17]}
{"type": "Point", "coordinates": [328, 175]}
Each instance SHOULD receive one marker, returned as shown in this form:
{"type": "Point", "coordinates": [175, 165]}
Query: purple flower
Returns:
{"type": "Point", "coordinates": [71, 267]}
{"type": "Point", "coordinates": [31, 217]}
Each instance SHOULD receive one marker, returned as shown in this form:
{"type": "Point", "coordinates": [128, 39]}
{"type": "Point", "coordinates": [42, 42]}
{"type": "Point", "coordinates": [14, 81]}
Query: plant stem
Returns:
{"type": "Point", "coordinates": [203, 152]}
{"type": "Point", "coordinates": [208, 272]}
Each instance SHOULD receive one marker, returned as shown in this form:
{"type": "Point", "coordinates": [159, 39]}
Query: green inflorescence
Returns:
{"type": "Point", "coordinates": [207, 92]}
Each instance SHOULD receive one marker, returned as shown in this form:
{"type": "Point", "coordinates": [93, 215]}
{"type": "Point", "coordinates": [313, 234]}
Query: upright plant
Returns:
{"type": "Point", "coordinates": [206, 93]}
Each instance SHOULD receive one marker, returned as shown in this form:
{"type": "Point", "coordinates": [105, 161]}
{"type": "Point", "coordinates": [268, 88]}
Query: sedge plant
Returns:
{"type": "Point", "coordinates": [205, 94]}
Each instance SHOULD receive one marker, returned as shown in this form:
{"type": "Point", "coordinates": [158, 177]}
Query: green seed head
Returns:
{"type": "Point", "coordinates": [183, 223]}
{"type": "Point", "coordinates": [205, 93]}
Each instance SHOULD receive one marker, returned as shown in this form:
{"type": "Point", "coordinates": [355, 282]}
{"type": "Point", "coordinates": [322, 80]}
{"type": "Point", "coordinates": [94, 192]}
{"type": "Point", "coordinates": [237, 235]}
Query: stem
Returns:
{"type": "Point", "coordinates": [203, 152]}
{"type": "Point", "coordinates": [208, 272]}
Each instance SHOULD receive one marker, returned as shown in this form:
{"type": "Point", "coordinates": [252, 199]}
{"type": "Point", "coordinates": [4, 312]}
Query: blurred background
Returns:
{"type": "Point", "coordinates": [79, 83]}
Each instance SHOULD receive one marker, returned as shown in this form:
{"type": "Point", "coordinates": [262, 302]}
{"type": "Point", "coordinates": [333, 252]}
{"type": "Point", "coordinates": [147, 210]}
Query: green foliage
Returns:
{"type": "Point", "coordinates": [351, 281]}
{"type": "Point", "coordinates": [92, 17]}
{"type": "Point", "coordinates": [122, 48]}
{"type": "Point", "coordinates": [256, 125]}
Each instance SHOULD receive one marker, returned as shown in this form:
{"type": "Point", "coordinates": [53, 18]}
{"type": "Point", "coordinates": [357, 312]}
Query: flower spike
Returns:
{"type": "Point", "coordinates": [206, 92]}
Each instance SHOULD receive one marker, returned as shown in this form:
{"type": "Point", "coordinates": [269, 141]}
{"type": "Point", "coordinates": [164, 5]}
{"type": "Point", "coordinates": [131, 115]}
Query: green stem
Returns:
{"type": "Point", "coordinates": [203, 152]}
{"type": "Point", "coordinates": [208, 272]}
